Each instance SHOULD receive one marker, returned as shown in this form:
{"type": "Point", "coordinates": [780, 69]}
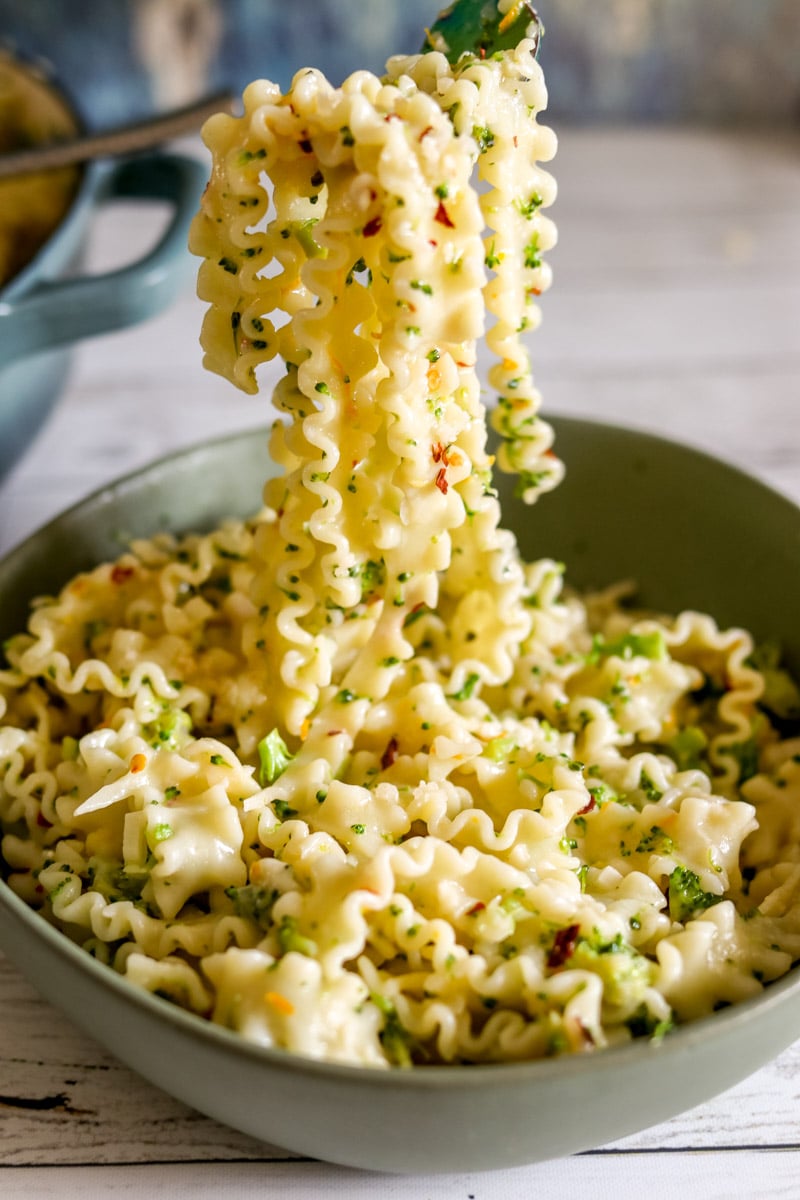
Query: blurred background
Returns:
{"type": "Point", "coordinates": [711, 61]}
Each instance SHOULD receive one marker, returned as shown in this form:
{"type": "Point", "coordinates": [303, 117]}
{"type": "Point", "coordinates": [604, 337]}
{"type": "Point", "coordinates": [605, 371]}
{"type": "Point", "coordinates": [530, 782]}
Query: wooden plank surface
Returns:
{"type": "Point", "coordinates": [676, 308]}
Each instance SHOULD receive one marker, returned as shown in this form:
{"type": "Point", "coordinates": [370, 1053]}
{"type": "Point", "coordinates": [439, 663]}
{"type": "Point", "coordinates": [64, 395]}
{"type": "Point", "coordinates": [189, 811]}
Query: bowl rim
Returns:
{"type": "Point", "coordinates": [562, 420]}
{"type": "Point", "coordinates": [681, 1041]}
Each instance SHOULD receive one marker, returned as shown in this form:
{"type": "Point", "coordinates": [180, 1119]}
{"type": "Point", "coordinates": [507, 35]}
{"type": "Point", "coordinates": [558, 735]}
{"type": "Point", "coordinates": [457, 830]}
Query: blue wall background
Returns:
{"type": "Point", "coordinates": [720, 61]}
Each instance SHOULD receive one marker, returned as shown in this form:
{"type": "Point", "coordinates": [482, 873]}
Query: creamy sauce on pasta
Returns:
{"type": "Point", "coordinates": [351, 778]}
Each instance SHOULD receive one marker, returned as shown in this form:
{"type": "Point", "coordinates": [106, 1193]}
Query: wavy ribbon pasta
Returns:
{"type": "Point", "coordinates": [351, 778]}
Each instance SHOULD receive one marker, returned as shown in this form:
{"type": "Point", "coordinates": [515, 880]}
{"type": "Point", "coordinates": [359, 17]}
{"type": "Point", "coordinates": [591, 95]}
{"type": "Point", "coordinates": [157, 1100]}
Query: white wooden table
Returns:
{"type": "Point", "coordinates": [676, 308]}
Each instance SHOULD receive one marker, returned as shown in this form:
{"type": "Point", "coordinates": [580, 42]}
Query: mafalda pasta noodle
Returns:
{"type": "Point", "coordinates": [350, 778]}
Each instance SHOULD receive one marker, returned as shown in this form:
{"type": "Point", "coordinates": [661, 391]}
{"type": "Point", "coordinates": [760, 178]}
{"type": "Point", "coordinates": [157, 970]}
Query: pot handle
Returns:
{"type": "Point", "coordinates": [70, 309]}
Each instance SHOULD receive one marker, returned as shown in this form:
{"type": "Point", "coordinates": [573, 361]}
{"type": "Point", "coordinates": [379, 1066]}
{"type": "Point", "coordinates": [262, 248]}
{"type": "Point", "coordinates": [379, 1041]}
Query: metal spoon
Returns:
{"type": "Point", "coordinates": [125, 139]}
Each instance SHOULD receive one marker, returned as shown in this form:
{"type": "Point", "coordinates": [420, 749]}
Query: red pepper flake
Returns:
{"type": "Point", "coordinates": [563, 946]}
{"type": "Point", "coordinates": [514, 140]}
{"type": "Point", "coordinates": [442, 216]}
{"type": "Point", "coordinates": [372, 227]}
{"type": "Point", "coordinates": [121, 574]}
{"type": "Point", "coordinates": [305, 145]}
{"type": "Point", "coordinates": [392, 117]}
{"type": "Point", "coordinates": [441, 481]}
{"type": "Point", "coordinates": [587, 807]}
{"type": "Point", "coordinates": [389, 754]}
{"type": "Point", "coordinates": [334, 732]}
{"type": "Point", "coordinates": [42, 820]}
{"type": "Point", "coordinates": [428, 129]}
{"type": "Point", "coordinates": [438, 452]}
{"type": "Point", "coordinates": [477, 907]}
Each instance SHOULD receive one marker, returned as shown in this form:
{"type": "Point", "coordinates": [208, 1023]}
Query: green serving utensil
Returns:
{"type": "Point", "coordinates": [477, 27]}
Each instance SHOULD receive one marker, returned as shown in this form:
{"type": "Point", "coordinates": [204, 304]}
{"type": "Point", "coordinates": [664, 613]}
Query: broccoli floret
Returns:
{"type": "Point", "coordinates": [686, 895]}
{"type": "Point", "coordinates": [253, 902]}
{"type": "Point", "coordinates": [117, 882]}
{"type": "Point", "coordinates": [644, 1024]}
{"type": "Point", "coordinates": [781, 694]}
{"type": "Point", "coordinates": [394, 1037]}
{"type": "Point", "coordinates": [626, 973]}
{"type": "Point", "coordinates": [274, 758]}
{"type": "Point", "coordinates": [630, 645]}
{"type": "Point", "coordinates": [170, 730]}
{"type": "Point", "coordinates": [687, 747]}
{"type": "Point", "coordinates": [746, 755]}
{"type": "Point", "coordinates": [290, 938]}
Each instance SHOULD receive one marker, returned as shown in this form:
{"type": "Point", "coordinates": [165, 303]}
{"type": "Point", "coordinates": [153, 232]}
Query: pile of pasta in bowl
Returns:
{"type": "Point", "coordinates": [350, 777]}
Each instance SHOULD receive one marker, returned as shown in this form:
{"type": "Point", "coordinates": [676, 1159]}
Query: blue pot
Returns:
{"type": "Point", "coordinates": [42, 313]}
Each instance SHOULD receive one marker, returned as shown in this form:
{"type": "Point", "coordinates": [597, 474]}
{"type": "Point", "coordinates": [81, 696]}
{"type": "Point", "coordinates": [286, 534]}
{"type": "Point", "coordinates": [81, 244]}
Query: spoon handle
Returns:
{"type": "Point", "coordinates": [125, 139]}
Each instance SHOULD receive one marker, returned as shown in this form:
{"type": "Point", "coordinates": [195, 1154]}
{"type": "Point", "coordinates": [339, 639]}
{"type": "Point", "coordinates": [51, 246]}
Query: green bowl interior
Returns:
{"type": "Point", "coordinates": [694, 533]}
{"type": "Point", "coordinates": [691, 531]}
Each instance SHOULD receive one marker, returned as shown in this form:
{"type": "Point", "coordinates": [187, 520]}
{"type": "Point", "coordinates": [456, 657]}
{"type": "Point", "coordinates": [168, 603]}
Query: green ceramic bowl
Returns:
{"type": "Point", "coordinates": [696, 533]}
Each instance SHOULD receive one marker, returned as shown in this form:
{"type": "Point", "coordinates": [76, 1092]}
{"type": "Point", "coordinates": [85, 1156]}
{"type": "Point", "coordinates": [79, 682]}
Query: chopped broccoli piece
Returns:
{"type": "Point", "coordinates": [468, 688]}
{"type": "Point", "coordinates": [274, 757]}
{"type": "Point", "coordinates": [69, 748]}
{"type": "Point", "coordinates": [686, 895]}
{"type": "Point", "coordinates": [500, 748]}
{"type": "Point", "coordinates": [630, 645]}
{"type": "Point", "coordinates": [394, 1037]}
{"type": "Point", "coordinates": [290, 938]}
{"type": "Point", "coordinates": [253, 902]}
{"type": "Point", "coordinates": [160, 833]}
{"type": "Point", "coordinates": [303, 232]}
{"type": "Point", "coordinates": [746, 755]}
{"type": "Point", "coordinates": [626, 973]}
{"type": "Point", "coordinates": [170, 730]}
{"type": "Point", "coordinates": [373, 575]}
{"type": "Point", "coordinates": [655, 842]}
{"type": "Point", "coordinates": [650, 790]}
{"type": "Point", "coordinates": [687, 747]}
{"type": "Point", "coordinates": [781, 693]}
{"type": "Point", "coordinates": [118, 882]}
{"type": "Point", "coordinates": [644, 1024]}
